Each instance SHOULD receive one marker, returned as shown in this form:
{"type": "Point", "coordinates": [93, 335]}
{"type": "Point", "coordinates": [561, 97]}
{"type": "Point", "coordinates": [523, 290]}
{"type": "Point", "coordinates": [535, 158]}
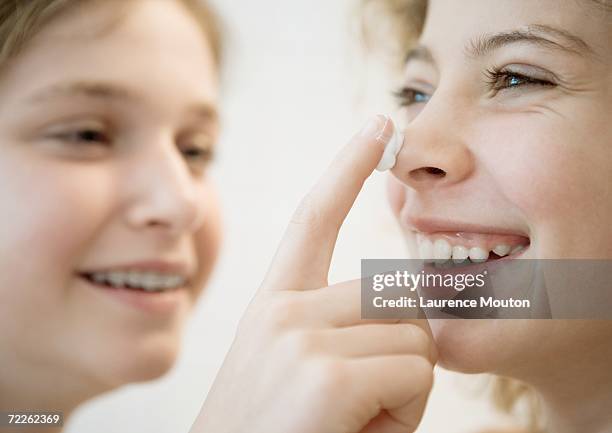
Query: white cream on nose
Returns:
{"type": "Point", "coordinates": [393, 147]}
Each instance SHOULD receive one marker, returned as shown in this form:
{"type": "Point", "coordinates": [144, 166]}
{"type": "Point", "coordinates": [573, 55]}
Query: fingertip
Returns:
{"type": "Point", "coordinates": [365, 150]}
{"type": "Point", "coordinates": [393, 141]}
{"type": "Point", "coordinates": [379, 127]}
{"type": "Point", "coordinates": [386, 130]}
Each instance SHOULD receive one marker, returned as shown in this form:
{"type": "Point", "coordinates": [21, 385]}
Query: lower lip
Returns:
{"type": "Point", "coordinates": [150, 302]}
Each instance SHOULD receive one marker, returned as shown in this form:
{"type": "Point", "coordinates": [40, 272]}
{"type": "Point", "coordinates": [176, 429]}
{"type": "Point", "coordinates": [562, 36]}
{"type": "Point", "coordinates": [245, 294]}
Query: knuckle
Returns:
{"type": "Point", "coordinates": [422, 370]}
{"type": "Point", "coordinates": [281, 312]}
{"type": "Point", "coordinates": [270, 313]}
{"type": "Point", "coordinates": [416, 338]}
{"type": "Point", "coordinates": [300, 344]}
{"type": "Point", "coordinates": [330, 376]}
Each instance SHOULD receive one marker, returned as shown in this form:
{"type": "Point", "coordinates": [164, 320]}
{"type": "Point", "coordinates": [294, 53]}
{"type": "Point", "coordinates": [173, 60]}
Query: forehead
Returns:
{"type": "Point", "coordinates": [450, 24]}
{"type": "Point", "coordinates": [149, 45]}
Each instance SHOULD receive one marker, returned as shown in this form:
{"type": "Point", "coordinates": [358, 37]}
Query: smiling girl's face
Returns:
{"type": "Point", "coordinates": [508, 143]}
{"type": "Point", "coordinates": [107, 125]}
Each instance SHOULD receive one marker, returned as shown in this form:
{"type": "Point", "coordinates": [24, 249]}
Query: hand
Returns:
{"type": "Point", "coordinates": [303, 360]}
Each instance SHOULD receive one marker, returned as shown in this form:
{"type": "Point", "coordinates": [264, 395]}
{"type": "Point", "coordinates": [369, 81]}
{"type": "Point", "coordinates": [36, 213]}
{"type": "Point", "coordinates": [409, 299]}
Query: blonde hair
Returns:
{"type": "Point", "coordinates": [21, 20]}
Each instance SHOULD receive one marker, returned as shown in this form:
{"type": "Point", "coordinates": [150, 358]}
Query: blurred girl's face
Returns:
{"type": "Point", "coordinates": [107, 123]}
{"type": "Point", "coordinates": [508, 143]}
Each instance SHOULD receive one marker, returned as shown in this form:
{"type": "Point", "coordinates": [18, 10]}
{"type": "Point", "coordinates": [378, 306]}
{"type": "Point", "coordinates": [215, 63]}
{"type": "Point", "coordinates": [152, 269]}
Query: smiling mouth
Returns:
{"type": "Point", "coordinates": [149, 282]}
{"type": "Point", "coordinates": [447, 249]}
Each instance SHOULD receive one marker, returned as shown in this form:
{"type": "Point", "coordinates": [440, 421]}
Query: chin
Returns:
{"type": "Point", "coordinates": [152, 367]}
{"type": "Point", "coordinates": [148, 359]}
{"type": "Point", "coordinates": [478, 345]}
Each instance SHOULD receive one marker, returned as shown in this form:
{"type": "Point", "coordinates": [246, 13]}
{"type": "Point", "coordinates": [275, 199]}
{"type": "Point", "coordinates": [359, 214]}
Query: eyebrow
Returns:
{"type": "Point", "coordinates": [108, 91]}
{"type": "Point", "coordinates": [86, 89]}
{"type": "Point", "coordinates": [538, 34]}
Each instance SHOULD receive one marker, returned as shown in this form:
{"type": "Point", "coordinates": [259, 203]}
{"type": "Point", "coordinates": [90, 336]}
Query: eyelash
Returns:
{"type": "Point", "coordinates": [495, 77]}
{"type": "Point", "coordinates": [196, 153]}
{"type": "Point", "coordinates": [496, 80]}
{"type": "Point", "coordinates": [406, 96]}
{"type": "Point", "coordinates": [93, 136]}
{"type": "Point", "coordinates": [81, 136]}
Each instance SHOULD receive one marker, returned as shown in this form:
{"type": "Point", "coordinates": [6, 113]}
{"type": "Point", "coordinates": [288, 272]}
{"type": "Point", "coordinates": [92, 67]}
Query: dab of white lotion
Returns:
{"type": "Point", "coordinates": [393, 147]}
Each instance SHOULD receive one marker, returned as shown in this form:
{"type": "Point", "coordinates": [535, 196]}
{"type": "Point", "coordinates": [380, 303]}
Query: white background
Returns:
{"type": "Point", "coordinates": [297, 86]}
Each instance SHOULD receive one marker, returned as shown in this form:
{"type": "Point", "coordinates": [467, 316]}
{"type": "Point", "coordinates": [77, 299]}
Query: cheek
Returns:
{"type": "Point", "coordinates": [521, 163]}
{"type": "Point", "coordinates": [50, 212]}
{"type": "Point", "coordinates": [542, 166]}
{"type": "Point", "coordinates": [556, 174]}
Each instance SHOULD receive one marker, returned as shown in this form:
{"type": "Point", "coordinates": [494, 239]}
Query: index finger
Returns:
{"type": "Point", "coordinates": [303, 257]}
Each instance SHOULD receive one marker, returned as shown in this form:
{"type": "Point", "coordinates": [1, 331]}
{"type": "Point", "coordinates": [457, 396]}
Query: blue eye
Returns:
{"type": "Point", "coordinates": [407, 96]}
{"type": "Point", "coordinates": [499, 80]}
{"type": "Point", "coordinates": [420, 97]}
{"type": "Point", "coordinates": [513, 81]}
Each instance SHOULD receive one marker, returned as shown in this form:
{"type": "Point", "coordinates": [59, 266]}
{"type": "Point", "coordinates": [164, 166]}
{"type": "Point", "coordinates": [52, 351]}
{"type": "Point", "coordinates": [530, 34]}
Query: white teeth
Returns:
{"type": "Point", "coordinates": [478, 254]}
{"type": "Point", "coordinates": [99, 278]}
{"type": "Point", "coordinates": [460, 253]}
{"type": "Point", "coordinates": [501, 249]}
{"type": "Point", "coordinates": [441, 250]}
{"type": "Point", "coordinates": [133, 279]}
{"type": "Point", "coordinates": [173, 281]}
{"type": "Point", "coordinates": [443, 265]}
{"type": "Point", "coordinates": [517, 249]}
{"type": "Point", "coordinates": [148, 281]}
{"type": "Point", "coordinates": [115, 279]}
{"type": "Point", "coordinates": [425, 249]}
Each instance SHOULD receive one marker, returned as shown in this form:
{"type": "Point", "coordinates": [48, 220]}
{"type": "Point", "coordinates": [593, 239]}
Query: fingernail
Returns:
{"type": "Point", "coordinates": [384, 136]}
{"type": "Point", "coordinates": [392, 149]}
{"type": "Point", "coordinates": [374, 127]}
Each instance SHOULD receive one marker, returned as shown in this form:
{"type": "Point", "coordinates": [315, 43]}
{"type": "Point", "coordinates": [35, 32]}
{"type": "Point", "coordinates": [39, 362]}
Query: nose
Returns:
{"type": "Point", "coordinates": [435, 151]}
{"type": "Point", "coordinates": [163, 193]}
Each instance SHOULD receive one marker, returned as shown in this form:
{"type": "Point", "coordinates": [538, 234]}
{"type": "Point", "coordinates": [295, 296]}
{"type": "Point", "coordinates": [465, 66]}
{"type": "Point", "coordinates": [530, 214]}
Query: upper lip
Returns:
{"type": "Point", "coordinates": [436, 225]}
{"type": "Point", "coordinates": [160, 266]}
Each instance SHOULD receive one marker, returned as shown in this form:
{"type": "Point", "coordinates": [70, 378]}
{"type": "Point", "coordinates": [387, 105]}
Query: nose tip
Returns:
{"type": "Point", "coordinates": [175, 210]}
{"type": "Point", "coordinates": [165, 196]}
{"type": "Point", "coordinates": [171, 211]}
{"type": "Point", "coordinates": [427, 160]}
